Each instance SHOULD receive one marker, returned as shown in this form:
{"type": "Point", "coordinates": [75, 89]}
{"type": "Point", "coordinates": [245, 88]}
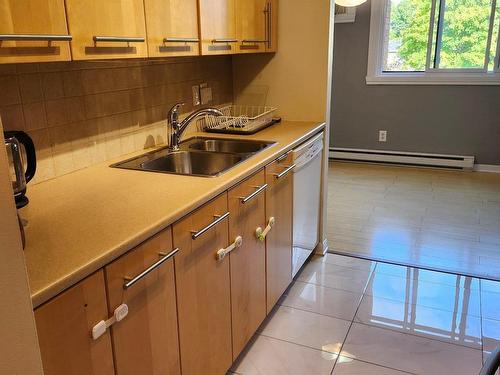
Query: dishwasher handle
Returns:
{"type": "Point", "coordinates": [306, 159]}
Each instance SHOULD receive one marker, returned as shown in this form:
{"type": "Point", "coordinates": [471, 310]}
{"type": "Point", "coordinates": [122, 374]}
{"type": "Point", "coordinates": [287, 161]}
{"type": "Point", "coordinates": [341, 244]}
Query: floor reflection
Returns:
{"type": "Point", "coordinates": [406, 303]}
{"type": "Point", "coordinates": [424, 218]}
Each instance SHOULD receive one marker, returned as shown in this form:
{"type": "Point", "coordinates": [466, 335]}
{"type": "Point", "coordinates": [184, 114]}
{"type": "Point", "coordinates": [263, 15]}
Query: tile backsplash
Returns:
{"type": "Point", "coordinates": [84, 113]}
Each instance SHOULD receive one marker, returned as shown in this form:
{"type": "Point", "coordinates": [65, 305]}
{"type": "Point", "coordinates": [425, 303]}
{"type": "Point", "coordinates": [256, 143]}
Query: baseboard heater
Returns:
{"type": "Point", "coordinates": [403, 157]}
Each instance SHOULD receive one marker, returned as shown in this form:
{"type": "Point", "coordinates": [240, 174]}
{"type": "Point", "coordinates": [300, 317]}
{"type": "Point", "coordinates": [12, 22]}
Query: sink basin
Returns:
{"type": "Point", "coordinates": [192, 163]}
{"type": "Point", "coordinates": [227, 145]}
{"type": "Point", "coordinates": [206, 157]}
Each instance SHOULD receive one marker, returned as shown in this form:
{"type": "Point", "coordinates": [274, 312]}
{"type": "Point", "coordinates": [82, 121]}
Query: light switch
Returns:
{"type": "Point", "coordinates": [205, 93]}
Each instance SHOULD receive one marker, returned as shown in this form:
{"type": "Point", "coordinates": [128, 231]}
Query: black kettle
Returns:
{"type": "Point", "coordinates": [13, 141]}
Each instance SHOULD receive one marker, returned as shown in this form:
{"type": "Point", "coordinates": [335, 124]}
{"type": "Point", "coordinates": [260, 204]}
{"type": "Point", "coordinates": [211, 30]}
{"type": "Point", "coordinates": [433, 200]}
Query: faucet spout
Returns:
{"type": "Point", "coordinates": [178, 128]}
{"type": "Point", "coordinates": [193, 116]}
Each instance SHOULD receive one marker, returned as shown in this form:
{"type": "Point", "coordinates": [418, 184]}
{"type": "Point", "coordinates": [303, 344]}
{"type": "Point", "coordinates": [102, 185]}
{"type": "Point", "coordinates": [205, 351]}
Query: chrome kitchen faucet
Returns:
{"type": "Point", "coordinates": [178, 128]}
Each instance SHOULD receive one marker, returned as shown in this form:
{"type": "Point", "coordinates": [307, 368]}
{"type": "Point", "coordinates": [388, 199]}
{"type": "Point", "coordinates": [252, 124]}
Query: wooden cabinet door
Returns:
{"type": "Point", "coordinates": [122, 19]}
{"type": "Point", "coordinates": [172, 27]}
{"type": "Point", "coordinates": [248, 262]}
{"type": "Point", "coordinates": [64, 326]}
{"type": "Point", "coordinates": [146, 340]}
{"type": "Point", "coordinates": [203, 290]}
{"type": "Point", "coordinates": [279, 201]}
{"type": "Point", "coordinates": [218, 27]}
{"type": "Point", "coordinates": [44, 17]}
{"type": "Point", "coordinates": [252, 25]}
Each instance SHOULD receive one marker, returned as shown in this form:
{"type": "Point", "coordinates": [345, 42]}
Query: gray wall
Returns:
{"type": "Point", "coordinates": [462, 120]}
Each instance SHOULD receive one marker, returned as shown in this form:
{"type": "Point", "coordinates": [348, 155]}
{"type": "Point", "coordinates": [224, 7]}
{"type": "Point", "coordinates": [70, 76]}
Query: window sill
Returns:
{"type": "Point", "coordinates": [434, 79]}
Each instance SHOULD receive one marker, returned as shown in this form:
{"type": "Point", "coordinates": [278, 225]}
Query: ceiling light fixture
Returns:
{"type": "Point", "coordinates": [349, 3]}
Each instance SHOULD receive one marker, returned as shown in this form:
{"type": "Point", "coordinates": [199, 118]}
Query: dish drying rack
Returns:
{"type": "Point", "coordinates": [239, 119]}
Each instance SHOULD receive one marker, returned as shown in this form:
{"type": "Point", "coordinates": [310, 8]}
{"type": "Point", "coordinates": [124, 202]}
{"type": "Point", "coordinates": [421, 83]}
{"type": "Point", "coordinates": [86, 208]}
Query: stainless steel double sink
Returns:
{"type": "Point", "coordinates": [199, 156]}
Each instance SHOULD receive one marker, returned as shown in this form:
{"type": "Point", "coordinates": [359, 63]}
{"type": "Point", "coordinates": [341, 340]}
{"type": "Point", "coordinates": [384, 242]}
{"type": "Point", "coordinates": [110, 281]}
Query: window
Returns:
{"type": "Point", "coordinates": [434, 42]}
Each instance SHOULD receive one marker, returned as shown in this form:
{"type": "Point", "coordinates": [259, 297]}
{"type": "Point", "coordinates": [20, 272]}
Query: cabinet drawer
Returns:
{"type": "Point", "coordinates": [146, 340]}
{"type": "Point", "coordinates": [203, 290]}
{"type": "Point", "coordinates": [64, 326]}
{"type": "Point", "coordinates": [248, 262]}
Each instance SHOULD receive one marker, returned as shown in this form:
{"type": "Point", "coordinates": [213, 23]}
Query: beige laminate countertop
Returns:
{"type": "Point", "coordinates": [80, 222]}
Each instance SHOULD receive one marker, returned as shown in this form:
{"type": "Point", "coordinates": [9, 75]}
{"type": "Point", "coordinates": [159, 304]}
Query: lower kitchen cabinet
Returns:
{"type": "Point", "coordinates": [203, 290]}
{"type": "Point", "coordinates": [195, 293]}
{"type": "Point", "coordinates": [279, 201]}
{"type": "Point", "coordinates": [64, 325]}
{"type": "Point", "coordinates": [146, 340]}
{"type": "Point", "coordinates": [248, 262]}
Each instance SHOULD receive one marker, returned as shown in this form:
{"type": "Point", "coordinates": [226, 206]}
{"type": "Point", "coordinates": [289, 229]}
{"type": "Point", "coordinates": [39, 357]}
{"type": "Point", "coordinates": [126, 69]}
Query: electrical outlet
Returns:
{"type": "Point", "coordinates": [382, 135]}
{"type": "Point", "coordinates": [205, 93]}
{"type": "Point", "coordinates": [196, 95]}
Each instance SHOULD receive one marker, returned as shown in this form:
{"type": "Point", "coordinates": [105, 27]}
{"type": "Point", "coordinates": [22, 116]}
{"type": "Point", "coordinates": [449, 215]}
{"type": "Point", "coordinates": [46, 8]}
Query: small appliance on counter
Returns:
{"type": "Point", "coordinates": [20, 176]}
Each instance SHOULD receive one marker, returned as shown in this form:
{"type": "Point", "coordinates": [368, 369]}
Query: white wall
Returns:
{"type": "Point", "coordinates": [297, 79]}
{"type": "Point", "coordinates": [442, 119]}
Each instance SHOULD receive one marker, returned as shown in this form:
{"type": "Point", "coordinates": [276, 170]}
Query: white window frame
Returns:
{"type": "Point", "coordinates": [376, 75]}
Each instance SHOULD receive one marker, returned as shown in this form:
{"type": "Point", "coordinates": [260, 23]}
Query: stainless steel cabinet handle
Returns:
{"type": "Point", "coordinates": [269, 23]}
{"type": "Point", "coordinates": [284, 156]}
{"type": "Point", "coordinates": [164, 258]}
{"type": "Point", "coordinates": [125, 39]}
{"type": "Point", "coordinates": [270, 15]}
{"type": "Point", "coordinates": [224, 40]}
{"type": "Point", "coordinates": [285, 172]}
{"type": "Point", "coordinates": [253, 41]}
{"type": "Point", "coordinates": [36, 37]}
{"type": "Point", "coordinates": [254, 194]}
{"type": "Point", "coordinates": [196, 234]}
{"type": "Point", "coordinates": [181, 40]}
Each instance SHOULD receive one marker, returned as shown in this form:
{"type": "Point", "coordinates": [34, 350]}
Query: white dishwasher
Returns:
{"type": "Point", "coordinates": [306, 199]}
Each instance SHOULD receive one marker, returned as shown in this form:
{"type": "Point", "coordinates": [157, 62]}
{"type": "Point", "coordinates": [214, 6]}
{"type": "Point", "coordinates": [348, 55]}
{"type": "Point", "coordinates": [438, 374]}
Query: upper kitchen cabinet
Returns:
{"type": "Point", "coordinates": [33, 31]}
{"type": "Point", "coordinates": [218, 27]}
{"type": "Point", "coordinates": [108, 29]}
{"type": "Point", "coordinates": [252, 25]}
{"type": "Point", "coordinates": [172, 27]}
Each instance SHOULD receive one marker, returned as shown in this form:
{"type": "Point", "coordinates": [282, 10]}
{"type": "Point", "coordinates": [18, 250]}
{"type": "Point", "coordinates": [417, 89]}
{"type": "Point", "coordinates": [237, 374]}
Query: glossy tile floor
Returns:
{"type": "Point", "coordinates": [430, 218]}
{"type": "Point", "coordinates": [345, 315]}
